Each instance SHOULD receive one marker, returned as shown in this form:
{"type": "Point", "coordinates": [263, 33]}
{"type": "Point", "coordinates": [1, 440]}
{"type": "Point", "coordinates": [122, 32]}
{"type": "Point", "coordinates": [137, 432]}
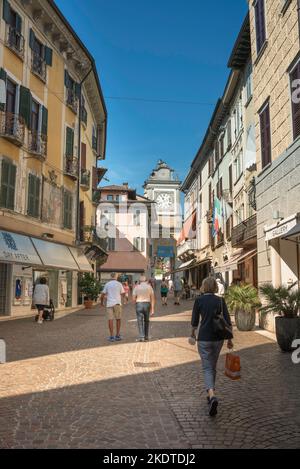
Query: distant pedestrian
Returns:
{"type": "Point", "coordinates": [207, 307]}
{"type": "Point", "coordinates": [221, 288]}
{"type": "Point", "coordinates": [41, 298]}
{"type": "Point", "coordinates": [177, 290]}
{"type": "Point", "coordinates": [164, 290]}
{"type": "Point", "coordinates": [113, 292]}
{"type": "Point", "coordinates": [143, 295]}
{"type": "Point", "coordinates": [126, 290]}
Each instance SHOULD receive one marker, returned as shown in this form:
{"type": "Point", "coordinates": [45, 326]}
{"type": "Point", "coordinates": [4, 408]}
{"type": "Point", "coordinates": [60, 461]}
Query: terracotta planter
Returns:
{"type": "Point", "coordinates": [88, 304]}
{"type": "Point", "coordinates": [245, 321]}
{"type": "Point", "coordinates": [287, 330]}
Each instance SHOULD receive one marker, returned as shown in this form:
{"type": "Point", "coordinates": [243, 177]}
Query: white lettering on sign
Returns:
{"type": "Point", "coordinates": [280, 230]}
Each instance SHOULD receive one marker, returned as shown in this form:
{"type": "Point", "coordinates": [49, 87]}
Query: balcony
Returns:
{"type": "Point", "coordinates": [71, 167]}
{"type": "Point", "coordinates": [85, 179]}
{"type": "Point", "coordinates": [38, 66]}
{"type": "Point", "coordinates": [37, 144]}
{"type": "Point", "coordinates": [96, 197]}
{"type": "Point", "coordinates": [14, 41]}
{"type": "Point", "coordinates": [187, 248]}
{"type": "Point", "coordinates": [245, 233]}
{"type": "Point", "coordinates": [88, 235]}
{"type": "Point", "coordinates": [12, 127]}
{"type": "Point", "coordinates": [72, 100]}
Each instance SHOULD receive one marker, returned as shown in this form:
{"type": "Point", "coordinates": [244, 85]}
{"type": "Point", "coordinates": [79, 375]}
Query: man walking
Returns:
{"type": "Point", "coordinates": [143, 295]}
{"type": "Point", "coordinates": [113, 292]}
{"type": "Point", "coordinates": [177, 290]}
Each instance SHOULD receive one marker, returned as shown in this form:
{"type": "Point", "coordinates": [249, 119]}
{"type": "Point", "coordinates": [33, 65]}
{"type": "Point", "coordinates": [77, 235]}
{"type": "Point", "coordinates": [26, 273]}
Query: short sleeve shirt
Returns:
{"type": "Point", "coordinates": [113, 290]}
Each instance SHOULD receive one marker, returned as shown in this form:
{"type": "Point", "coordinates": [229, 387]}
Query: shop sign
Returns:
{"type": "Point", "coordinates": [280, 230]}
{"type": "Point", "coordinates": [16, 248]}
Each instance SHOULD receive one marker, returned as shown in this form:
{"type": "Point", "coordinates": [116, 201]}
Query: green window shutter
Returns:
{"type": "Point", "coordinates": [31, 39]}
{"type": "Point", "coordinates": [44, 121]}
{"type": "Point", "coordinates": [30, 200]}
{"type": "Point", "coordinates": [37, 197]}
{"type": "Point", "coordinates": [8, 184]}
{"type": "Point", "coordinates": [6, 11]}
{"type": "Point", "coordinates": [25, 105]}
{"type": "Point", "coordinates": [48, 55]}
{"type": "Point", "coordinates": [3, 74]}
{"type": "Point", "coordinates": [18, 23]}
{"type": "Point", "coordinates": [4, 182]}
{"type": "Point", "coordinates": [68, 203]}
{"type": "Point", "coordinates": [69, 141]}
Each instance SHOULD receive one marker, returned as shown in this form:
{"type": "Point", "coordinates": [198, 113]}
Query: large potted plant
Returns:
{"type": "Point", "coordinates": [90, 288]}
{"type": "Point", "coordinates": [243, 300]}
{"type": "Point", "coordinates": [286, 304]}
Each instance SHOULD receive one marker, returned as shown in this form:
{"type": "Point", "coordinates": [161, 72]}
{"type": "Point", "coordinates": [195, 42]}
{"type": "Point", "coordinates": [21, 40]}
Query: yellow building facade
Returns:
{"type": "Point", "coordinates": [52, 140]}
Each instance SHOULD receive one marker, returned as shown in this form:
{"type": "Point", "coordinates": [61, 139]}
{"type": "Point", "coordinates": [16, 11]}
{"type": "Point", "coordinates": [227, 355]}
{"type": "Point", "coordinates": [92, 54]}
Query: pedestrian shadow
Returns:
{"type": "Point", "coordinates": [159, 407]}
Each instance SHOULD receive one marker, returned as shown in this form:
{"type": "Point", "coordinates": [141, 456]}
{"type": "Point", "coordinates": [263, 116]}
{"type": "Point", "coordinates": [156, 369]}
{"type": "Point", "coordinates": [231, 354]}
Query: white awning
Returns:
{"type": "Point", "coordinates": [17, 249]}
{"type": "Point", "coordinates": [55, 255]}
{"type": "Point", "coordinates": [233, 263]}
{"type": "Point", "coordinates": [186, 265]}
{"type": "Point", "coordinates": [81, 260]}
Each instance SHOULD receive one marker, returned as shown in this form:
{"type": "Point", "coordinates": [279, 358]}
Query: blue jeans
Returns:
{"type": "Point", "coordinates": [209, 353]}
{"type": "Point", "coordinates": [143, 319]}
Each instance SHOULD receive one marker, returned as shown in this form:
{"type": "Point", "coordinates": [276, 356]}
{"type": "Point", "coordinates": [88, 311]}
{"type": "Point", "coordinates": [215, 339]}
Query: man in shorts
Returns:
{"type": "Point", "coordinates": [113, 292]}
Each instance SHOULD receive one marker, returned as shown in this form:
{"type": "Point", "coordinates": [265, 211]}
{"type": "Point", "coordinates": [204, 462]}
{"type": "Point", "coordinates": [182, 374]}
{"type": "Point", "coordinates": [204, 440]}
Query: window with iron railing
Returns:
{"type": "Point", "coordinates": [14, 40]}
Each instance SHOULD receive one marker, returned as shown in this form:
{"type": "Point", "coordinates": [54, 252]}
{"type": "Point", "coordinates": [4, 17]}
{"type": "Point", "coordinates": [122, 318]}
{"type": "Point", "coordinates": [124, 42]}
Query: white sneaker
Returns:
{"type": "Point", "coordinates": [40, 321]}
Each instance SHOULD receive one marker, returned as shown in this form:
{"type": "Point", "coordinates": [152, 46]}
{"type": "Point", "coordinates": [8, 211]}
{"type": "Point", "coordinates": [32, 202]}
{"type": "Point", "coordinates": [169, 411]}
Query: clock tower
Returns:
{"type": "Point", "coordinates": [163, 187]}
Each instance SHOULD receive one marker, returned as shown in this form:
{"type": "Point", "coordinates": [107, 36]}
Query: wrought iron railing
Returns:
{"type": "Point", "coordinates": [12, 127]}
{"type": "Point", "coordinates": [72, 100]}
{"type": "Point", "coordinates": [37, 143]}
{"type": "Point", "coordinates": [71, 166]}
{"type": "Point", "coordinates": [244, 231]}
{"type": "Point", "coordinates": [38, 66]}
{"type": "Point", "coordinates": [14, 40]}
{"type": "Point", "coordinates": [189, 245]}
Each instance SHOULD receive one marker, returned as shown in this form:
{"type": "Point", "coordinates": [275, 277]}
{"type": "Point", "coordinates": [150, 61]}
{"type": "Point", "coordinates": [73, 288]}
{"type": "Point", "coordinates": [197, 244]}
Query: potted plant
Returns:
{"type": "Point", "coordinates": [90, 288]}
{"type": "Point", "coordinates": [285, 303]}
{"type": "Point", "coordinates": [243, 301]}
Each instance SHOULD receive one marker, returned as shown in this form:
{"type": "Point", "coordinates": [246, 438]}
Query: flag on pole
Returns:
{"type": "Point", "coordinates": [217, 217]}
{"type": "Point", "coordinates": [226, 209]}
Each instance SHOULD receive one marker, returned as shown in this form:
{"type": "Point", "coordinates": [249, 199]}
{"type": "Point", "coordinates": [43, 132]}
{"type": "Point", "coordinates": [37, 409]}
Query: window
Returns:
{"type": "Point", "coordinates": [14, 39]}
{"type": "Point", "coordinates": [217, 152]}
{"type": "Point", "coordinates": [230, 179]}
{"type": "Point", "coordinates": [137, 218]}
{"type": "Point", "coordinates": [41, 56]}
{"type": "Point", "coordinates": [110, 198]}
{"type": "Point", "coordinates": [238, 119]}
{"type": "Point", "coordinates": [249, 84]}
{"type": "Point", "coordinates": [69, 142]}
{"type": "Point", "coordinates": [295, 98]}
{"type": "Point", "coordinates": [210, 205]}
{"type": "Point", "coordinates": [260, 24]}
{"type": "Point", "coordinates": [33, 201]}
{"type": "Point", "coordinates": [68, 210]}
{"type": "Point", "coordinates": [139, 244]}
{"type": "Point", "coordinates": [111, 245]}
{"type": "Point", "coordinates": [222, 146]}
{"type": "Point", "coordinates": [83, 111]}
{"type": "Point", "coordinates": [73, 92]}
{"type": "Point", "coordinates": [220, 188]}
{"type": "Point", "coordinates": [238, 166]}
{"type": "Point", "coordinates": [8, 185]}
{"type": "Point", "coordinates": [229, 136]}
{"type": "Point", "coordinates": [265, 135]}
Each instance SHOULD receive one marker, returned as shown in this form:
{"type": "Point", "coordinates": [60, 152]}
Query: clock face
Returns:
{"type": "Point", "coordinates": [165, 201]}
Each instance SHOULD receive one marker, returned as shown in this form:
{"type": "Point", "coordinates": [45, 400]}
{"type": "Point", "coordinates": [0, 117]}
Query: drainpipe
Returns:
{"type": "Point", "coordinates": [79, 162]}
{"type": "Point", "coordinates": [298, 8]}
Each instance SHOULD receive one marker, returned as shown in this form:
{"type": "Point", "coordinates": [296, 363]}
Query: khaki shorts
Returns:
{"type": "Point", "coordinates": [114, 312]}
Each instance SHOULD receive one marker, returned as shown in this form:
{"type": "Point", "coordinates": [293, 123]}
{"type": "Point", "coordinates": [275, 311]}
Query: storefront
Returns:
{"type": "Point", "coordinates": [24, 260]}
{"type": "Point", "coordinates": [240, 268]}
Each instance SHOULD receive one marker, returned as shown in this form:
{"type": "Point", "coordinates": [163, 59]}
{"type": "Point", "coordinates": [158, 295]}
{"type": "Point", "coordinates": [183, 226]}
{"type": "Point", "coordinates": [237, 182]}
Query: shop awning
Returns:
{"type": "Point", "coordinates": [17, 249]}
{"type": "Point", "coordinates": [293, 234]}
{"type": "Point", "coordinates": [233, 263]}
{"type": "Point", "coordinates": [189, 229]}
{"type": "Point", "coordinates": [81, 260]}
{"type": "Point", "coordinates": [55, 255]}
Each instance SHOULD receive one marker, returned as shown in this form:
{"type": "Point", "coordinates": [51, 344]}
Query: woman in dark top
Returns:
{"type": "Point", "coordinates": [207, 307]}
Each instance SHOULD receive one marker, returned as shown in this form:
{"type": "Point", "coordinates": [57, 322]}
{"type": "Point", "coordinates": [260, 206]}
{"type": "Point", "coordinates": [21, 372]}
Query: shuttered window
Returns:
{"type": "Point", "coordinates": [68, 208]}
{"type": "Point", "coordinates": [217, 152]}
{"type": "Point", "coordinates": [8, 185]}
{"type": "Point", "coordinates": [260, 24]}
{"type": "Point", "coordinates": [265, 136]}
{"type": "Point", "coordinates": [33, 202]}
{"type": "Point", "coordinates": [229, 137]}
{"type": "Point", "coordinates": [69, 141]}
{"type": "Point", "coordinates": [230, 179]}
{"type": "Point", "coordinates": [83, 156]}
{"type": "Point", "coordinates": [25, 105]}
{"type": "Point", "coordinates": [295, 98]}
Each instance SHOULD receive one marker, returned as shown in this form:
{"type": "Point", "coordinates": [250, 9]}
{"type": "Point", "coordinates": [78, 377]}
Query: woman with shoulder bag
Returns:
{"type": "Point", "coordinates": [215, 327]}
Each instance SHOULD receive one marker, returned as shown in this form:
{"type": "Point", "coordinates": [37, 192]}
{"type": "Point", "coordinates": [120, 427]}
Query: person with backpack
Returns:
{"type": "Point", "coordinates": [215, 327]}
{"type": "Point", "coordinates": [164, 290]}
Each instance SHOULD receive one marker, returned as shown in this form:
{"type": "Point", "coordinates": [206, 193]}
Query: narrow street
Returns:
{"type": "Point", "coordinates": [65, 386]}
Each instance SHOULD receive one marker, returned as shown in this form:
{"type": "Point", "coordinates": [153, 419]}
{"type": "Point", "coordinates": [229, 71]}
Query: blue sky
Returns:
{"type": "Point", "coordinates": [174, 50]}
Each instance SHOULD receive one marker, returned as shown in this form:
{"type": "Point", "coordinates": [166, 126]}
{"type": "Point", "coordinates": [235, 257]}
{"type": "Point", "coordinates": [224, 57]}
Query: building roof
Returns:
{"type": "Point", "coordinates": [115, 187]}
{"type": "Point", "coordinates": [242, 47]}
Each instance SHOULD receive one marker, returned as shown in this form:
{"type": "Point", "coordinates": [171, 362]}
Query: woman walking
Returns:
{"type": "Point", "coordinates": [208, 307]}
{"type": "Point", "coordinates": [164, 290]}
{"type": "Point", "coordinates": [41, 298]}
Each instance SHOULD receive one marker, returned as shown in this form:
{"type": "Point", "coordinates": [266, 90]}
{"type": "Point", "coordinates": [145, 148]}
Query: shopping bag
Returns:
{"type": "Point", "coordinates": [233, 366]}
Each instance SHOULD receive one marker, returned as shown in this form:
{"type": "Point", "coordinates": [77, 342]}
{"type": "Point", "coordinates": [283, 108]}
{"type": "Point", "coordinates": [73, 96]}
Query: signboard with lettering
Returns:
{"type": "Point", "coordinates": [165, 251]}
{"type": "Point", "coordinates": [280, 230]}
{"type": "Point", "coordinates": [15, 248]}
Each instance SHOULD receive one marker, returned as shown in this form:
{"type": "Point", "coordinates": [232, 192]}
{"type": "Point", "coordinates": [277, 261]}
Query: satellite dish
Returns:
{"type": "Point", "coordinates": [2, 92]}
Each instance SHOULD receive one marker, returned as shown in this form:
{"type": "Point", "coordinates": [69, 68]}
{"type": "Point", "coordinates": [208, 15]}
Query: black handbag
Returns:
{"type": "Point", "coordinates": [221, 327]}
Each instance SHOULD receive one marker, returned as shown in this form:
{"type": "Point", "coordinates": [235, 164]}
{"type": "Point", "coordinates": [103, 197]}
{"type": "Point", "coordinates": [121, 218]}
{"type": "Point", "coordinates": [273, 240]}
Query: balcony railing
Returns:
{"type": "Point", "coordinates": [37, 144]}
{"type": "Point", "coordinates": [14, 40]}
{"type": "Point", "coordinates": [72, 100]}
{"type": "Point", "coordinates": [244, 232]}
{"type": "Point", "coordinates": [189, 245]}
{"type": "Point", "coordinates": [85, 179]}
{"type": "Point", "coordinates": [38, 66]}
{"type": "Point", "coordinates": [88, 235]}
{"type": "Point", "coordinates": [71, 166]}
{"type": "Point", "coordinates": [12, 127]}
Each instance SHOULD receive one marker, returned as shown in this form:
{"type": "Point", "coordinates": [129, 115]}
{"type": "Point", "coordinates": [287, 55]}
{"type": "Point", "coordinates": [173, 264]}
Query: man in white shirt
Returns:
{"type": "Point", "coordinates": [143, 295]}
{"type": "Point", "coordinates": [113, 292]}
{"type": "Point", "coordinates": [221, 289]}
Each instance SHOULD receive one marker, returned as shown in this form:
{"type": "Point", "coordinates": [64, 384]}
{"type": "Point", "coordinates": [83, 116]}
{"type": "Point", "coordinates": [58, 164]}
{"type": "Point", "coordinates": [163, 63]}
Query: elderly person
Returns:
{"type": "Point", "coordinates": [206, 309]}
{"type": "Point", "coordinates": [41, 298]}
{"type": "Point", "coordinates": [143, 296]}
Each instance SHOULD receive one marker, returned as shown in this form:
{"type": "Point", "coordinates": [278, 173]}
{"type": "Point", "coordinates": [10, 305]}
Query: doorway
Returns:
{"type": "Point", "coordinates": [3, 289]}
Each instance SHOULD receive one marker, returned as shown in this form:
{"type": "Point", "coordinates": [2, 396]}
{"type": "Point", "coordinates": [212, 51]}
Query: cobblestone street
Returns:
{"type": "Point", "coordinates": [65, 386]}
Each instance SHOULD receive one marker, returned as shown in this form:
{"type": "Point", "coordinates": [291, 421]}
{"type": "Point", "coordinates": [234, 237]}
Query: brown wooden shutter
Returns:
{"type": "Point", "coordinates": [217, 152]}
{"type": "Point", "coordinates": [265, 131]}
{"type": "Point", "coordinates": [83, 156]}
{"type": "Point", "coordinates": [230, 179]}
{"type": "Point", "coordinates": [229, 140]}
{"type": "Point", "coordinates": [260, 24]}
{"type": "Point", "coordinates": [295, 75]}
